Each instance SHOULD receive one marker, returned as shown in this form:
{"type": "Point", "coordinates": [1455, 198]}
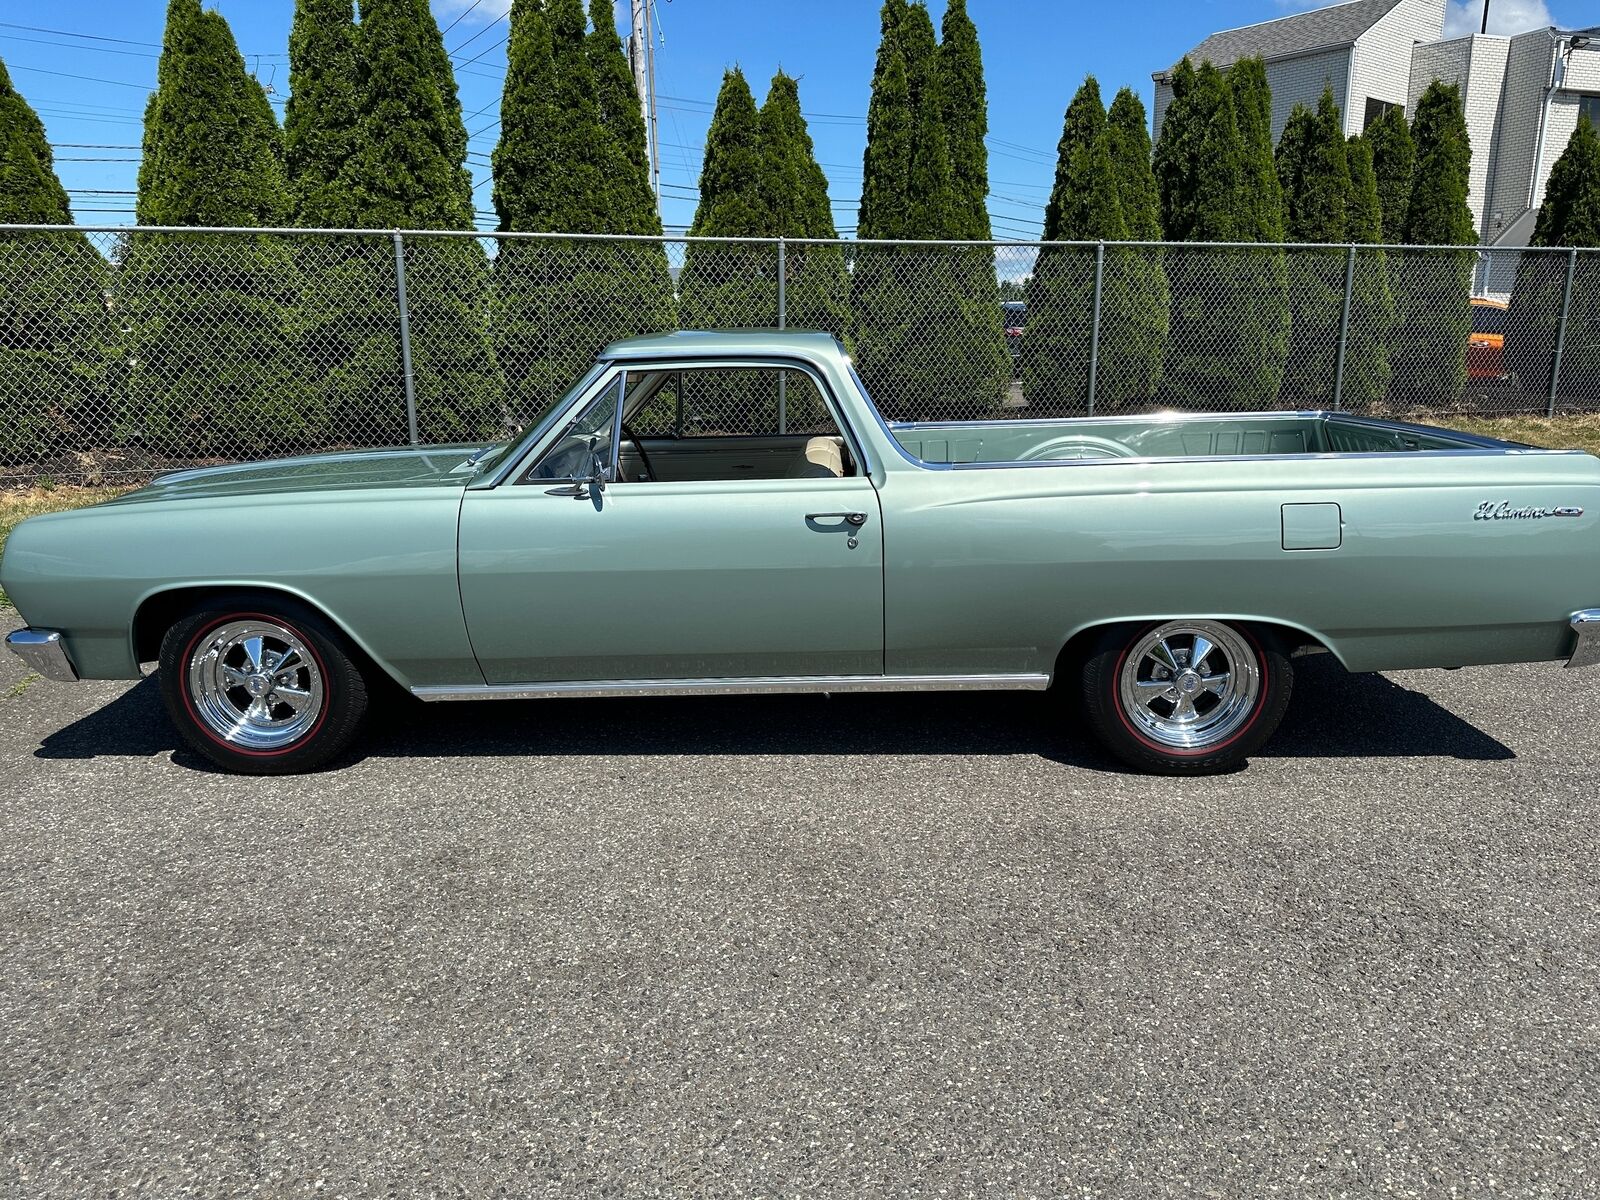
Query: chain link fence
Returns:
{"type": "Point", "coordinates": [127, 352]}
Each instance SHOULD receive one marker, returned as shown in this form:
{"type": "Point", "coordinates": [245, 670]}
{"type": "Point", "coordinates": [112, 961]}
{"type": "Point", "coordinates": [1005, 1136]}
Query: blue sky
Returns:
{"type": "Point", "coordinates": [90, 88]}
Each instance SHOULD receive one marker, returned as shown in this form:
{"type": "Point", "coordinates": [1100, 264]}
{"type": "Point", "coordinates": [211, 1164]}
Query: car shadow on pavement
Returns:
{"type": "Point", "coordinates": [1377, 718]}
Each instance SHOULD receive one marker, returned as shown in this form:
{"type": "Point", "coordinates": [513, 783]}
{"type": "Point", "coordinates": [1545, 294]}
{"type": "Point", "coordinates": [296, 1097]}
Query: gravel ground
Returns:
{"type": "Point", "coordinates": [856, 947]}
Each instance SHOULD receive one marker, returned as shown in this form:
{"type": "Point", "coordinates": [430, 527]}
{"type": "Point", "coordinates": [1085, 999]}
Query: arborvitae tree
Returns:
{"type": "Point", "coordinates": [1436, 210]}
{"type": "Point", "coordinates": [726, 284]}
{"type": "Point", "coordinates": [1393, 158]}
{"type": "Point", "coordinates": [1129, 133]}
{"type": "Point", "coordinates": [1568, 218]}
{"type": "Point", "coordinates": [212, 156]}
{"type": "Point", "coordinates": [731, 284]}
{"type": "Point", "coordinates": [1266, 286]}
{"type": "Point", "coordinates": [1315, 174]}
{"type": "Point", "coordinates": [886, 164]}
{"type": "Point", "coordinates": [212, 151]}
{"type": "Point", "coordinates": [1175, 160]}
{"type": "Point", "coordinates": [909, 300]}
{"type": "Point", "coordinates": [1570, 213]}
{"type": "Point", "coordinates": [1366, 358]}
{"type": "Point", "coordinates": [408, 173]}
{"type": "Point", "coordinates": [570, 159]}
{"type": "Point", "coordinates": [632, 207]}
{"type": "Point", "coordinates": [1252, 101]}
{"type": "Point", "coordinates": [55, 336]}
{"type": "Point", "coordinates": [1229, 331]}
{"type": "Point", "coordinates": [347, 355]}
{"type": "Point", "coordinates": [932, 182]}
{"type": "Point", "coordinates": [319, 126]}
{"type": "Point", "coordinates": [795, 195]}
{"type": "Point", "coordinates": [1433, 288]}
{"type": "Point", "coordinates": [966, 119]}
{"type": "Point", "coordinates": [1128, 136]}
{"type": "Point", "coordinates": [30, 193]}
{"type": "Point", "coordinates": [1084, 206]}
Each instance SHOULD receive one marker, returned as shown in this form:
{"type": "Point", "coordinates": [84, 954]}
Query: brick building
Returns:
{"type": "Point", "coordinates": [1522, 97]}
{"type": "Point", "coordinates": [1522, 94]}
{"type": "Point", "coordinates": [1362, 50]}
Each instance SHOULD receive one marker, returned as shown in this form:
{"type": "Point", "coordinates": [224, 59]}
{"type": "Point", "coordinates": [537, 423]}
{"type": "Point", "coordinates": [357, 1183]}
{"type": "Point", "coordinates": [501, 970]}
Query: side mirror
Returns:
{"type": "Point", "coordinates": [597, 473]}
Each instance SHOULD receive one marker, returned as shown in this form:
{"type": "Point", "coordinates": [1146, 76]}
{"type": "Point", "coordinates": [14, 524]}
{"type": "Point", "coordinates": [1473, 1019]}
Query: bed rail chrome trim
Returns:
{"type": "Point", "coordinates": [1586, 649]}
{"type": "Point", "coordinates": [756, 685]}
{"type": "Point", "coordinates": [43, 651]}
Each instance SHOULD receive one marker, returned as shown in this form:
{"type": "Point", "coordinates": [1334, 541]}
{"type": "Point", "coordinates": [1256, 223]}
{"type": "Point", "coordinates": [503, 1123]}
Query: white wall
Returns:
{"type": "Point", "coordinates": [1477, 65]}
{"type": "Point", "coordinates": [1300, 80]}
{"type": "Point", "coordinates": [1381, 66]}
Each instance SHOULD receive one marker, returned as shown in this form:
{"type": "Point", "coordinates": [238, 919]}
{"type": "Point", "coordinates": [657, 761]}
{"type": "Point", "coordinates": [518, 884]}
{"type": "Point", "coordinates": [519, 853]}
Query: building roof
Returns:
{"type": "Point", "coordinates": [1315, 29]}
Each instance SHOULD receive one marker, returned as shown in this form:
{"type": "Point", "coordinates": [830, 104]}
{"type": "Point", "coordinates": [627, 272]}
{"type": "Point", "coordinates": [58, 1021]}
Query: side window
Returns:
{"type": "Point", "coordinates": [735, 402]}
{"type": "Point", "coordinates": [572, 454]}
{"type": "Point", "coordinates": [703, 424]}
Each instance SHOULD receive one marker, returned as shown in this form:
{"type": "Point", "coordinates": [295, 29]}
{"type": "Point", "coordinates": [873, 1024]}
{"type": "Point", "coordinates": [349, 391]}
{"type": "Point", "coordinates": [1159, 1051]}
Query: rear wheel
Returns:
{"type": "Point", "coordinates": [1186, 697]}
{"type": "Point", "coordinates": [261, 690]}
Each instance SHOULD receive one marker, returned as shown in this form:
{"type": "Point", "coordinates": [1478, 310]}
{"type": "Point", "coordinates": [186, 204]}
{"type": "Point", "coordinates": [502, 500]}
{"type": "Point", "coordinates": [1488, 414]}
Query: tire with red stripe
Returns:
{"type": "Point", "coordinates": [1186, 696]}
{"type": "Point", "coordinates": [261, 686]}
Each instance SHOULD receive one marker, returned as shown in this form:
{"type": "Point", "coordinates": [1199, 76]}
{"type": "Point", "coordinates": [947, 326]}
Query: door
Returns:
{"type": "Point", "coordinates": [666, 580]}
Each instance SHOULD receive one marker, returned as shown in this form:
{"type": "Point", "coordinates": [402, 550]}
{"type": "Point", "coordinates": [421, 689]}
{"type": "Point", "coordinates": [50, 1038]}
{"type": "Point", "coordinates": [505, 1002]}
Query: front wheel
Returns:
{"type": "Point", "coordinates": [261, 689]}
{"type": "Point", "coordinates": [1187, 697]}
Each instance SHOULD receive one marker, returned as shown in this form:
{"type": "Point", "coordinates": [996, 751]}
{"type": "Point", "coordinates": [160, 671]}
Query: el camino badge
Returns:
{"type": "Point", "coordinates": [1490, 511]}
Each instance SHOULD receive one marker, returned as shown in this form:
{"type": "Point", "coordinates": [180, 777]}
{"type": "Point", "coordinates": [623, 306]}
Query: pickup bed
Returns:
{"type": "Point", "coordinates": [708, 512]}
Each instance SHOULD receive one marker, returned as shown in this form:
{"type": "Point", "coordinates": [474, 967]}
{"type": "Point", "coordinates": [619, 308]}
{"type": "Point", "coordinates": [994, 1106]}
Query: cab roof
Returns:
{"type": "Point", "coordinates": [723, 343]}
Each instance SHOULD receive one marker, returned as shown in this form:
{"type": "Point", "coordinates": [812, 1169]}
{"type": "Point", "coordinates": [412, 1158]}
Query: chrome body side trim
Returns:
{"type": "Point", "coordinates": [1586, 649]}
{"type": "Point", "coordinates": [759, 685]}
{"type": "Point", "coordinates": [44, 652]}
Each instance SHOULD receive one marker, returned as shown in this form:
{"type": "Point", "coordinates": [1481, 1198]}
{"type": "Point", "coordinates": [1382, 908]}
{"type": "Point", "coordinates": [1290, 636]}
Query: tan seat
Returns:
{"type": "Point", "coordinates": [823, 458]}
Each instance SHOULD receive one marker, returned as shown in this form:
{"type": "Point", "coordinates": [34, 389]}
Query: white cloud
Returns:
{"type": "Point", "coordinates": [445, 11]}
{"type": "Point", "coordinates": [1462, 17]}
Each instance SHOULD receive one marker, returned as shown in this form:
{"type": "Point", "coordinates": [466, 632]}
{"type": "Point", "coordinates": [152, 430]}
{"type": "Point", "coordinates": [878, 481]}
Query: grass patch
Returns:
{"type": "Point", "coordinates": [1579, 431]}
{"type": "Point", "coordinates": [23, 684]}
{"type": "Point", "coordinates": [18, 506]}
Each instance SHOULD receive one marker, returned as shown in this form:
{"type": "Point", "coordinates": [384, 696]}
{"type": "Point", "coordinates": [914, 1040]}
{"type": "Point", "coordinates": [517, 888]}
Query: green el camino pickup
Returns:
{"type": "Point", "coordinates": [728, 512]}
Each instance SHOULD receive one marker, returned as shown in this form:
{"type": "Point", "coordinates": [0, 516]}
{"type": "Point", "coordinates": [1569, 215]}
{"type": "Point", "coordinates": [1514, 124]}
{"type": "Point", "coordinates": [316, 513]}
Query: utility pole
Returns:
{"type": "Point", "coordinates": [1485, 28]}
{"type": "Point", "coordinates": [642, 59]}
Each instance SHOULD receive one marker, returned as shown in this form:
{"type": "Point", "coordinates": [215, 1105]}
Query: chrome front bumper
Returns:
{"type": "Point", "coordinates": [1586, 650]}
{"type": "Point", "coordinates": [44, 652]}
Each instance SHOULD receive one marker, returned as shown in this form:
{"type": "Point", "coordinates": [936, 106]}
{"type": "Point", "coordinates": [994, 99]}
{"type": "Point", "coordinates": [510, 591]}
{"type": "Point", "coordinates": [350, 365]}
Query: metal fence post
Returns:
{"type": "Point", "coordinates": [405, 336]}
{"type": "Point", "coordinates": [1561, 332]}
{"type": "Point", "coordinates": [1344, 327]}
{"type": "Point", "coordinates": [783, 379]}
{"type": "Point", "coordinates": [1094, 328]}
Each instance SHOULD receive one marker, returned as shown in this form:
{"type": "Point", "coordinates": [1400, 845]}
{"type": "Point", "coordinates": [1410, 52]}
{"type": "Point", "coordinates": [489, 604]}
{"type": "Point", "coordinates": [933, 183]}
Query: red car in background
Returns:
{"type": "Point", "coordinates": [1015, 316]}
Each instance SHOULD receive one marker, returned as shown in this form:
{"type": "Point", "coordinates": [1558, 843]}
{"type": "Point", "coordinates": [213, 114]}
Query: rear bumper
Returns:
{"type": "Point", "coordinates": [1586, 650]}
{"type": "Point", "coordinates": [43, 651]}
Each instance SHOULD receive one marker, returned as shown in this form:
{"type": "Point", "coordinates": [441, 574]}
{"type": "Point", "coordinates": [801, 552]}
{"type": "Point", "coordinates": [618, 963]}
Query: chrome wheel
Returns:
{"type": "Point", "coordinates": [1189, 685]}
{"type": "Point", "coordinates": [255, 684]}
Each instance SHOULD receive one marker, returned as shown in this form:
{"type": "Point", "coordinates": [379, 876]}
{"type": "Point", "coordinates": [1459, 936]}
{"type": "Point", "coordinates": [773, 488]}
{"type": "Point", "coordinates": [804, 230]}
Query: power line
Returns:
{"type": "Point", "coordinates": [143, 87]}
{"type": "Point", "coordinates": [456, 49]}
{"type": "Point", "coordinates": [69, 46]}
{"type": "Point", "coordinates": [94, 37]}
{"type": "Point", "coordinates": [489, 51]}
{"type": "Point", "coordinates": [462, 17]}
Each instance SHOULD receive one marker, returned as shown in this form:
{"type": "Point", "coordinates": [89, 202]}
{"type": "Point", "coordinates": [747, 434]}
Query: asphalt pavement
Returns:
{"type": "Point", "coordinates": [862, 946]}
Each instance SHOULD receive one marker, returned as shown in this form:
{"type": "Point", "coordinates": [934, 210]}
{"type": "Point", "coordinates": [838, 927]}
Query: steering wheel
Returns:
{"type": "Point", "coordinates": [644, 458]}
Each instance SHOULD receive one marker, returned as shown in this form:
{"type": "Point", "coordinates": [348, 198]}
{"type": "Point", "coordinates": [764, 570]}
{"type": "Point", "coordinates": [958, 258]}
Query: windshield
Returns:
{"type": "Point", "coordinates": [490, 458]}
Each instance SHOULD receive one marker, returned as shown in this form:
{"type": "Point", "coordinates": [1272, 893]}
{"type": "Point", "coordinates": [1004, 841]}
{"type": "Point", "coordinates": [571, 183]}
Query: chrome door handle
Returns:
{"type": "Point", "coordinates": [857, 519]}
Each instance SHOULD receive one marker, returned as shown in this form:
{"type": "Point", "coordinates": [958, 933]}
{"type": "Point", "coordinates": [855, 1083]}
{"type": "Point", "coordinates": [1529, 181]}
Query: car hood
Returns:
{"type": "Point", "coordinates": [409, 467]}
